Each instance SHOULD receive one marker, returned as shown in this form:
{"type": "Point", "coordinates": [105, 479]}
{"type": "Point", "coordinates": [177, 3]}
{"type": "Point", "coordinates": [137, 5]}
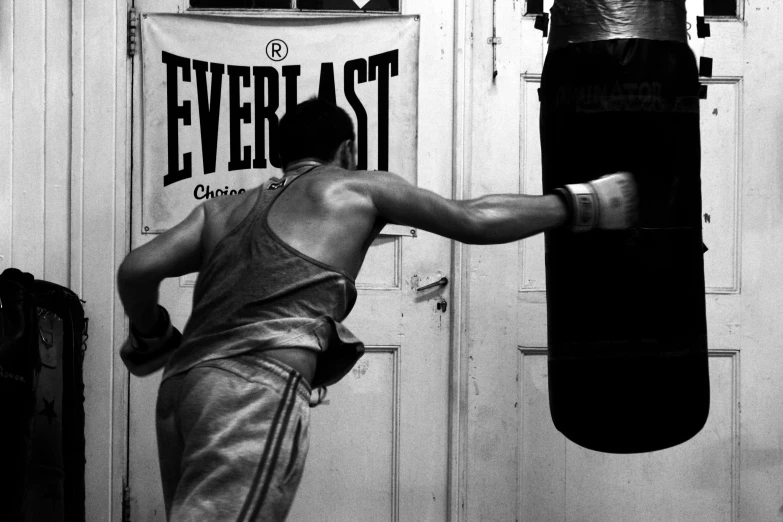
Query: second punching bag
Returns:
{"type": "Point", "coordinates": [626, 309]}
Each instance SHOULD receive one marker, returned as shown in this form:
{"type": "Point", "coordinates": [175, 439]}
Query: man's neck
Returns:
{"type": "Point", "coordinates": [304, 162]}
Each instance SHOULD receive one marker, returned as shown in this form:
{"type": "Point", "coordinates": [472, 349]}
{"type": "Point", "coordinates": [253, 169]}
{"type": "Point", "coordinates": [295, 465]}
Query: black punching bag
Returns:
{"type": "Point", "coordinates": [626, 309]}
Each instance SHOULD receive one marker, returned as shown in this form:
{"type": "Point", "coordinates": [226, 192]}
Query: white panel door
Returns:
{"type": "Point", "coordinates": [520, 466]}
{"type": "Point", "coordinates": [379, 444]}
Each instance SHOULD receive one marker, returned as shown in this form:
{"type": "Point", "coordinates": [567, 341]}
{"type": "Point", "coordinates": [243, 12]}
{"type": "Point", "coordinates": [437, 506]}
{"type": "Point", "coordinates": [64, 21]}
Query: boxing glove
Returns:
{"type": "Point", "coordinates": [609, 203]}
{"type": "Point", "coordinates": [144, 355]}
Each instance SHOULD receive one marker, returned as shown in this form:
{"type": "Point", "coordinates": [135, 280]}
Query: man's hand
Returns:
{"type": "Point", "coordinates": [146, 354]}
{"type": "Point", "coordinates": [609, 203]}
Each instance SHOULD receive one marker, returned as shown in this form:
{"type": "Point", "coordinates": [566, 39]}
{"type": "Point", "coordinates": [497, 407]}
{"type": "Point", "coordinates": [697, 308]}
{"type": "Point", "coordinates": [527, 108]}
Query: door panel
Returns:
{"type": "Point", "coordinates": [379, 443]}
{"type": "Point", "coordinates": [559, 480]}
{"type": "Point", "coordinates": [363, 478]}
{"type": "Point", "coordinates": [521, 467]}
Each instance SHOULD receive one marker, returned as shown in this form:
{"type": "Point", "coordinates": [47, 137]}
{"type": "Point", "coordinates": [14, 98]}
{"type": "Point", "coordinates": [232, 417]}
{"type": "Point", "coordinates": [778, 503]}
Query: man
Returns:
{"type": "Point", "coordinates": [277, 266]}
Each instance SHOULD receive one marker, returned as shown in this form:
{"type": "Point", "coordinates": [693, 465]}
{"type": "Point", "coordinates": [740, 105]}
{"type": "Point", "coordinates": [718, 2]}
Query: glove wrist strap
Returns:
{"type": "Point", "coordinates": [582, 204]}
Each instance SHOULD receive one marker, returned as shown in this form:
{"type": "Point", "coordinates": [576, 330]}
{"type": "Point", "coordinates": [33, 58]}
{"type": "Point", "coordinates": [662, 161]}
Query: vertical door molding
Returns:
{"type": "Point", "coordinates": [99, 162]}
{"type": "Point", "coordinates": [463, 56]}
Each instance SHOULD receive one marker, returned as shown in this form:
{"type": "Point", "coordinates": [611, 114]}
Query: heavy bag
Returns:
{"type": "Point", "coordinates": [56, 488]}
{"type": "Point", "coordinates": [19, 369]}
{"type": "Point", "coordinates": [627, 329]}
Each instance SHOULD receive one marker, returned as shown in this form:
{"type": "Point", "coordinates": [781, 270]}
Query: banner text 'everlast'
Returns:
{"type": "Point", "coordinates": [265, 81]}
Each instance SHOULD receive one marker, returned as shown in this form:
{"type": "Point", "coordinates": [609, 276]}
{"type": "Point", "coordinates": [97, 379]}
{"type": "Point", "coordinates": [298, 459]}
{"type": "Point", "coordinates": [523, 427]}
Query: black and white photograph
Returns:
{"type": "Point", "coordinates": [391, 261]}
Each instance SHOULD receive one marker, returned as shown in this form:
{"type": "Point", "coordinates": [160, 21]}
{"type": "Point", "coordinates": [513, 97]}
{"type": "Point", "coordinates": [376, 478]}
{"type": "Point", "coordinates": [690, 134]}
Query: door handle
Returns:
{"type": "Point", "coordinates": [443, 281]}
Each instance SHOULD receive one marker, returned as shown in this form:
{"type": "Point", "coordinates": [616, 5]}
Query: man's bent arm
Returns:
{"type": "Point", "coordinates": [492, 219]}
{"type": "Point", "coordinates": [174, 253]}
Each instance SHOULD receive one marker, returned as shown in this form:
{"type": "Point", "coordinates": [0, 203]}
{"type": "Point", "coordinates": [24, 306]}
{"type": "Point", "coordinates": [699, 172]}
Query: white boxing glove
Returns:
{"type": "Point", "coordinates": [145, 355]}
{"type": "Point", "coordinates": [610, 203]}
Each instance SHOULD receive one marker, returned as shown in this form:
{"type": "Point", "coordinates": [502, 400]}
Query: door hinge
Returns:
{"type": "Point", "coordinates": [494, 41]}
{"type": "Point", "coordinates": [126, 511]}
{"type": "Point", "coordinates": [133, 31]}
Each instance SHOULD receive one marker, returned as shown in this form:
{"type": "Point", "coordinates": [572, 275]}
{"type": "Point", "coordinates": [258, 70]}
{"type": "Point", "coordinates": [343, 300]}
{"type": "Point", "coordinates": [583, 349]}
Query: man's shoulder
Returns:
{"type": "Point", "coordinates": [332, 177]}
{"type": "Point", "coordinates": [359, 187]}
{"type": "Point", "coordinates": [378, 182]}
{"type": "Point", "coordinates": [359, 178]}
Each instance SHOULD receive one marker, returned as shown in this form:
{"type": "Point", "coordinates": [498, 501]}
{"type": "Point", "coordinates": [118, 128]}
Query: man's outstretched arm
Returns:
{"type": "Point", "coordinates": [174, 253]}
{"type": "Point", "coordinates": [609, 203]}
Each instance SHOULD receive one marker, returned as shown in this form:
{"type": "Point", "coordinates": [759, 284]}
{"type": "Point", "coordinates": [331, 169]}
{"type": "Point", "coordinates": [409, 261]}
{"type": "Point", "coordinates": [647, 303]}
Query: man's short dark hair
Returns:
{"type": "Point", "coordinates": [313, 129]}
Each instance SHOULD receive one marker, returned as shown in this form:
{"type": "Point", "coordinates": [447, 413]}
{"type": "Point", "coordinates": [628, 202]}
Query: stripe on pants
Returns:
{"type": "Point", "coordinates": [276, 435]}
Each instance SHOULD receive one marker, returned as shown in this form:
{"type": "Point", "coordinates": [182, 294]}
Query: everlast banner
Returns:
{"type": "Point", "coordinates": [215, 88]}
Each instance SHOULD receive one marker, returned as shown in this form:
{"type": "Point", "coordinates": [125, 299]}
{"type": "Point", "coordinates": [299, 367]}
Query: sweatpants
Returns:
{"type": "Point", "coordinates": [232, 440]}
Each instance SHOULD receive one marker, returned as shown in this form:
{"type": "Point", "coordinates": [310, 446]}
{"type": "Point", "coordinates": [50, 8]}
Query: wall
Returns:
{"type": "Point", "coordinates": [35, 127]}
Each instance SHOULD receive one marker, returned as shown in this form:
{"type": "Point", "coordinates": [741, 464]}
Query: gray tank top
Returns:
{"type": "Point", "coordinates": [256, 293]}
{"type": "Point", "coordinates": [576, 21]}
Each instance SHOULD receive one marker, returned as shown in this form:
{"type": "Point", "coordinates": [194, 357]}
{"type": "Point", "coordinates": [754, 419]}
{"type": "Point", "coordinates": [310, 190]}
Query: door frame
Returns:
{"type": "Point", "coordinates": [99, 208]}
{"type": "Point", "coordinates": [462, 118]}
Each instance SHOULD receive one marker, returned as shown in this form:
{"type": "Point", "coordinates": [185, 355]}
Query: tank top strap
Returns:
{"type": "Point", "coordinates": [274, 187]}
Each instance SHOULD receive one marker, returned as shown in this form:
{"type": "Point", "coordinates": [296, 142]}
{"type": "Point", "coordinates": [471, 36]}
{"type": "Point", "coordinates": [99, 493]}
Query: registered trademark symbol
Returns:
{"type": "Point", "coordinates": [276, 50]}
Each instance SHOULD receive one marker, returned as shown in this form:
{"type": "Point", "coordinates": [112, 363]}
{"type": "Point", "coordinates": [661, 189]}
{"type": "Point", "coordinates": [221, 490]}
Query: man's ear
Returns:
{"type": "Point", "coordinates": [346, 155]}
